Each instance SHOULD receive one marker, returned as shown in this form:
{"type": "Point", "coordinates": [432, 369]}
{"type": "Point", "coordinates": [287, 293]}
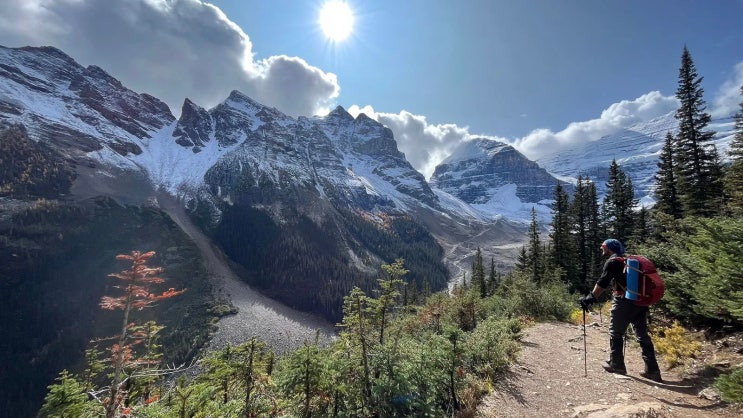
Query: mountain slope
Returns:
{"type": "Point", "coordinates": [320, 189]}
{"type": "Point", "coordinates": [636, 150]}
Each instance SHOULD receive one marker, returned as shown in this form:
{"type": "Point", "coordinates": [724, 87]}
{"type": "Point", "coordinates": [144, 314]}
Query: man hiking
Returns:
{"type": "Point", "coordinates": [623, 313]}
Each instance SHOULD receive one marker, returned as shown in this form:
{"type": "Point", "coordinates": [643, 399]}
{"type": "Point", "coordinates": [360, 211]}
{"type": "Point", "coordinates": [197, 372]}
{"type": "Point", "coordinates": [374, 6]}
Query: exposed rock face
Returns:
{"type": "Point", "coordinates": [478, 168]}
{"type": "Point", "coordinates": [194, 128]}
{"type": "Point", "coordinates": [75, 109]}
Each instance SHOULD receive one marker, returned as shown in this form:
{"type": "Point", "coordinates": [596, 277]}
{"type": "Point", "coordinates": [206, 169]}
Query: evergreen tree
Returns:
{"type": "Point", "coordinates": [642, 227]}
{"type": "Point", "coordinates": [522, 260]}
{"type": "Point", "coordinates": [492, 277]}
{"type": "Point", "coordinates": [355, 326]}
{"type": "Point", "coordinates": [66, 398]}
{"type": "Point", "coordinates": [699, 180]}
{"type": "Point", "coordinates": [581, 227]}
{"type": "Point", "coordinates": [666, 184]}
{"type": "Point", "coordinates": [587, 234]}
{"type": "Point", "coordinates": [561, 253]}
{"type": "Point", "coordinates": [618, 203]}
{"type": "Point", "coordinates": [478, 275]}
{"type": "Point", "coordinates": [389, 293]}
{"type": "Point", "coordinates": [594, 235]}
{"type": "Point", "coordinates": [535, 249]}
{"type": "Point", "coordinates": [734, 175]}
{"type": "Point", "coordinates": [304, 374]}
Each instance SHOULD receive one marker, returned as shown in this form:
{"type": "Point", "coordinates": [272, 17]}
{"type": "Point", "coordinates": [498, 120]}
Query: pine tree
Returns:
{"type": "Point", "coordinates": [355, 325]}
{"type": "Point", "coordinates": [594, 235]}
{"type": "Point", "coordinates": [666, 182]}
{"type": "Point", "coordinates": [389, 293]}
{"type": "Point", "coordinates": [522, 260]}
{"type": "Point", "coordinates": [535, 249]}
{"type": "Point", "coordinates": [618, 203]}
{"type": "Point", "coordinates": [699, 181]}
{"type": "Point", "coordinates": [587, 233]}
{"type": "Point", "coordinates": [642, 228]}
{"type": "Point", "coordinates": [66, 398]}
{"type": "Point", "coordinates": [561, 253]}
{"type": "Point", "coordinates": [580, 224]}
{"type": "Point", "coordinates": [478, 275]}
{"type": "Point", "coordinates": [734, 175]}
{"type": "Point", "coordinates": [492, 277]}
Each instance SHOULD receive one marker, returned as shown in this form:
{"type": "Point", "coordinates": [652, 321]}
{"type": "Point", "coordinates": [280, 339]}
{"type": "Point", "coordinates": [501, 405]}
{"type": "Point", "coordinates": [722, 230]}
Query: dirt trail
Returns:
{"type": "Point", "coordinates": [549, 380]}
{"type": "Point", "coordinates": [281, 327]}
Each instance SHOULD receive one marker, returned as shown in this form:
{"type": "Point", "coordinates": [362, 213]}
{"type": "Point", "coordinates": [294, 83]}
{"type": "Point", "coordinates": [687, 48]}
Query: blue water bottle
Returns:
{"type": "Point", "coordinates": [633, 279]}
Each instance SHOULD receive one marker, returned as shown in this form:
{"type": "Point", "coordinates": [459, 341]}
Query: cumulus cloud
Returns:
{"type": "Point", "coordinates": [171, 49]}
{"type": "Point", "coordinates": [624, 114]}
{"type": "Point", "coordinates": [424, 145]}
{"type": "Point", "coordinates": [728, 98]}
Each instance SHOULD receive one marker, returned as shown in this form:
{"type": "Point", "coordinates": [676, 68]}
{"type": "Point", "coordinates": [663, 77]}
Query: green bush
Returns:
{"type": "Point", "coordinates": [731, 385]}
{"type": "Point", "coordinates": [704, 284]}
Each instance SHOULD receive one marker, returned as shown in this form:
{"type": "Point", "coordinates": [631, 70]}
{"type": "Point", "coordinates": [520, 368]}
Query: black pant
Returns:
{"type": "Point", "coordinates": [623, 313]}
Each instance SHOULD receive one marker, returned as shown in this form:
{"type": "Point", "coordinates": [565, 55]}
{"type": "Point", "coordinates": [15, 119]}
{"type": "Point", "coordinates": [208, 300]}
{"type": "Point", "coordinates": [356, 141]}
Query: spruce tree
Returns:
{"type": "Point", "coordinates": [594, 235]}
{"type": "Point", "coordinates": [478, 275]}
{"type": "Point", "coordinates": [492, 277]}
{"type": "Point", "coordinates": [522, 260]}
{"type": "Point", "coordinates": [734, 175]}
{"type": "Point", "coordinates": [535, 249]}
{"type": "Point", "coordinates": [561, 253]}
{"type": "Point", "coordinates": [580, 226]}
{"type": "Point", "coordinates": [699, 181]}
{"type": "Point", "coordinates": [619, 202]}
{"type": "Point", "coordinates": [666, 184]}
{"type": "Point", "coordinates": [641, 231]}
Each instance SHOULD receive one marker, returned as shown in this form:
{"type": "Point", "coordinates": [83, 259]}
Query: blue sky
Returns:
{"type": "Point", "coordinates": [539, 74]}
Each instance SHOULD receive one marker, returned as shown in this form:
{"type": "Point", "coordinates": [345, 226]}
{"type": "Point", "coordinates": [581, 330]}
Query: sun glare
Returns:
{"type": "Point", "coordinates": [336, 20]}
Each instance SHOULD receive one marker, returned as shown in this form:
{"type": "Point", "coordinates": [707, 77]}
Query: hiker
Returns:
{"type": "Point", "coordinates": [623, 313]}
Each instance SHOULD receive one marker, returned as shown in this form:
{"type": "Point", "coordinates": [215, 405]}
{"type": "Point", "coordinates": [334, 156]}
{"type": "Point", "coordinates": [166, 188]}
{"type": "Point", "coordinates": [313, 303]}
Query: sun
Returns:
{"type": "Point", "coordinates": [336, 20]}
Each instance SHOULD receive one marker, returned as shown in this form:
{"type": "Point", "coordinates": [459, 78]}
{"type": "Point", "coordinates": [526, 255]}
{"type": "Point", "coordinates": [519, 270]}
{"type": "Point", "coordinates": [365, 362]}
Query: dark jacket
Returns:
{"type": "Point", "coordinates": [613, 273]}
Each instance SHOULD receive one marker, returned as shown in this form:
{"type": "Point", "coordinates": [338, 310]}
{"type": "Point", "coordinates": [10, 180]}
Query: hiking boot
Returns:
{"type": "Point", "coordinates": [654, 376]}
{"type": "Point", "coordinates": [611, 369]}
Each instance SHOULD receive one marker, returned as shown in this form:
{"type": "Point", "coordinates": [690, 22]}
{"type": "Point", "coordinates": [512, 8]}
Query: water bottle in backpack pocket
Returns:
{"type": "Point", "coordinates": [645, 287]}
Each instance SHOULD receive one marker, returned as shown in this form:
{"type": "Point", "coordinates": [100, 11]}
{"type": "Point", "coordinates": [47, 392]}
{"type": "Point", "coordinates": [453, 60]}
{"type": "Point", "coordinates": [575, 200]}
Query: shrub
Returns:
{"type": "Point", "coordinates": [731, 386]}
{"type": "Point", "coordinates": [674, 345]}
{"type": "Point", "coordinates": [576, 316]}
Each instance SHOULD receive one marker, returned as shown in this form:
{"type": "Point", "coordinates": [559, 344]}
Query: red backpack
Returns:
{"type": "Point", "coordinates": [651, 286]}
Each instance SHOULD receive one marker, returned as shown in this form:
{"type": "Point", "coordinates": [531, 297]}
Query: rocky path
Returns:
{"type": "Point", "coordinates": [550, 380]}
{"type": "Point", "coordinates": [282, 328]}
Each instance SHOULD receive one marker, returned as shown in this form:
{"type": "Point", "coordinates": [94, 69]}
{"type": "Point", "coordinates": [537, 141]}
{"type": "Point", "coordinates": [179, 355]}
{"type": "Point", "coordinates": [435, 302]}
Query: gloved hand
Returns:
{"type": "Point", "coordinates": [586, 301]}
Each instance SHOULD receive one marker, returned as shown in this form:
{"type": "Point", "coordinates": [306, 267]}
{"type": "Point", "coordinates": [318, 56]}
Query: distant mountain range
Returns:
{"type": "Point", "coordinates": [244, 153]}
{"type": "Point", "coordinates": [305, 208]}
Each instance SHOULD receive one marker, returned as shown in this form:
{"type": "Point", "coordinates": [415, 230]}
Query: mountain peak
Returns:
{"type": "Point", "coordinates": [480, 169]}
{"type": "Point", "coordinates": [477, 148]}
{"type": "Point", "coordinates": [238, 96]}
{"type": "Point", "coordinates": [341, 113]}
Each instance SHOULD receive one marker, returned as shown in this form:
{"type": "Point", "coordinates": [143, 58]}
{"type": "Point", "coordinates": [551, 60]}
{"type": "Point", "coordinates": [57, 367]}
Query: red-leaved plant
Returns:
{"type": "Point", "coordinates": [137, 282]}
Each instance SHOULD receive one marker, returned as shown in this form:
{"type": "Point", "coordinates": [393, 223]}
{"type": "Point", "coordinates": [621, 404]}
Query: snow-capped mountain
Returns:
{"type": "Point", "coordinates": [86, 112]}
{"type": "Point", "coordinates": [129, 145]}
{"type": "Point", "coordinates": [240, 152]}
{"type": "Point", "coordinates": [636, 150]}
{"type": "Point", "coordinates": [481, 172]}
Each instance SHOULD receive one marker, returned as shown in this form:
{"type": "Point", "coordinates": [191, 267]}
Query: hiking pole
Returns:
{"type": "Point", "coordinates": [585, 347]}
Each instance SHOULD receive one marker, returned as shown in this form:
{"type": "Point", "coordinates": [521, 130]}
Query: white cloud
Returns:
{"type": "Point", "coordinates": [728, 99]}
{"type": "Point", "coordinates": [171, 49]}
{"type": "Point", "coordinates": [618, 116]}
{"type": "Point", "coordinates": [425, 145]}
